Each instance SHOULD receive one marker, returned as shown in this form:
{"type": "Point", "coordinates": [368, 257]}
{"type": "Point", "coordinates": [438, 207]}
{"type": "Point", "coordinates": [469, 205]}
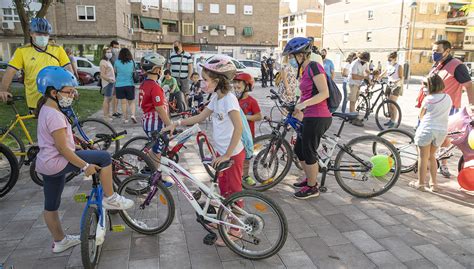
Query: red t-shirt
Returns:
{"type": "Point", "coordinates": [151, 96]}
{"type": "Point", "coordinates": [250, 107]}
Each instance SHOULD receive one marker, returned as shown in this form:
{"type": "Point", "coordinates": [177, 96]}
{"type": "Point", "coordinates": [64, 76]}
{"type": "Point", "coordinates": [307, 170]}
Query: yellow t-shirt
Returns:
{"type": "Point", "coordinates": [32, 61]}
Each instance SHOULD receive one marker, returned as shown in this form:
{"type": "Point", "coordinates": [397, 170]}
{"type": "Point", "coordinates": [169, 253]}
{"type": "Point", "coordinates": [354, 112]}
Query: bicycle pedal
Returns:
{"type": "Point", "coordinates": [268, 181]}
{"type": "Point", "coordinates": [210, 239]}
{"type": "Point", "coordinates": [118, 228]}
{"type": "Point", "coordinates": [80, 198]}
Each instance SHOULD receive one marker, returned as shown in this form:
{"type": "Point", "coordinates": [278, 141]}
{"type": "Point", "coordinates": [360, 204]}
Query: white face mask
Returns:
{"type": "Point", "coordinates": [42, 41]}
{"type": "Point", "coordinates": [65, 101]}
{"type": "Point", "coordinates": [108, 55]}
{"type": "Point", "coordinates": [115, 50]}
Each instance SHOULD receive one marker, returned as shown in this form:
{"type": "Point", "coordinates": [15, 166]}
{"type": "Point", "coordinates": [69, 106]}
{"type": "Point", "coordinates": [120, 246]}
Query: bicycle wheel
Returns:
{"type": "Point", "coordinates": [38, 178]}
{"type": "Point", "coordinates": [267, 222]}
{"type": "Point", "coordinates": [404, 142]}
{"type": "Point", "coordinates": [353, 167]}
{"type": "Point", "coordinates": [154, 209]}
{"type": "Point", "coordinates": [205, 154]}
{"type": "Point", "coordinates": [9, 170]}
{"type": "Point", "coordinates": [92, 127]}
{"type": "Point", "coordinates": [90, 252]}
{"type": "Point", "coordinates": [137, 142]}
{"type": "Point", "coordinates": [271, 162]}
{"type": "Point", "coordinates": [362, 106]}
{"type": "Point", "coordinates": [16, 145]}
{"type": "Point", "coordinates": [128, 162]}
{"type": "Point", "coordinates": [383, 114]}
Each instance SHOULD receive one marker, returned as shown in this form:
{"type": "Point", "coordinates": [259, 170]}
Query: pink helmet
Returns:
{"type": "Point", "coordinates": [221, 65]}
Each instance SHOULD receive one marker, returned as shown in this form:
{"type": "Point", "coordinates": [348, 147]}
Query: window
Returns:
{"type": "Point", "coordinates": [437, 8]}
{"type": "Point", "coordinates": [433, 34]}
{"type": "Point", "coordinates": [200, 7]}
{"type": "Point", "coordinates": [248, 31]}
{"type": "Point", "coordinates": [346, 17]}
{"type": "Point", "coordinates": [172, 25]}
{"type": "Point", "coordinates": [230, 9]}
{"type": "Point", "coordinates": [230, 31]}
{"type": "Point", "coordinates": [248, 10]}
{"type": "Point", "coordinates": [9, 14]}
{"type": "Point", "coordinates": [85, 13]}
{"type": "Point", "coordinates": [419, 34]}
{"type": "Point", "coordinates": [440, 37]}
{"type": "Point", "coordinates": [369, 37]}
{"type": "Point", "coordinates": [188, 29]}
{"type": "Point", "coordinates": [84, 64]}
{"type": "Point", "coordinates": [345, 38]}
{"type": "Point", "coordinates": [423, 8]}
{"type": "Point", "coordinates": [371, 14]}
{"type": "Point", "coordinates": [214, 8]}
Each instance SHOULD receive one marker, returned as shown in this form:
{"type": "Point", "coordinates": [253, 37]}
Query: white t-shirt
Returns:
{"type": "Point", "coordinates": [392, 73]}
{"type": "Point", "coordinates": [358, 69]}
{"type": "Point", "coordinates": [222, 127]}
{"type": "Point", "coordinates": [437, 112]}
{"type": "Point", "coordinates": [348, 68]}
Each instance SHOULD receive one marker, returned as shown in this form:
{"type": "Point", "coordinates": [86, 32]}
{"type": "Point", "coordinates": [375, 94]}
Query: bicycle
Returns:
{"type": "Point", "coordinates": [150, 216]}
{"type": "Point", "coordinates": [352, 162]}
{"type": "Point", "coordinates": [9, 170]}
{"type": "Point", "coordinates": [382, 113]}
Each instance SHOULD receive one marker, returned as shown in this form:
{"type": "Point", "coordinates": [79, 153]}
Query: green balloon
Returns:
{"type": "Point", "coordinates": [381, 165]}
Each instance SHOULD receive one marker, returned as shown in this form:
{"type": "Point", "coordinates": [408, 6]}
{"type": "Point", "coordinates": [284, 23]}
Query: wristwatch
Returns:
{"type": "Point", "coordinates": [85, 167]}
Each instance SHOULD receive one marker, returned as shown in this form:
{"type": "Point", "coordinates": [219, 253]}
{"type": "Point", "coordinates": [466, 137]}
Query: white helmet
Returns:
{"type": "Point", "coordinates": [155, 58]}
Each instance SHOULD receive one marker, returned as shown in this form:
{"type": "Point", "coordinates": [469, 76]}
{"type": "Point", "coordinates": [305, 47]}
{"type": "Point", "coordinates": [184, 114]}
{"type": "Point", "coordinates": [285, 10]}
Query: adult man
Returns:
{"type": "Point", "coordinates": [328, 64]}
{"type": "Point", "coordinates": [315, 55]}
{"type": "Point", "coordinates": [456, 79]}
{"type": "Point", "coordinates": [264, 70]}
{"type": "Point", "coordinates": [271, 66]}
{"type": "Point", "coordinates": [181, 66]}
{"type": "Point", "coordinates": [73, 61]}
{"type": "Point", "coordinates": [32, 58]}
{"type": "Point", "coordinates": [115, 46]}
{"type": "Point", "coordinates": [359, 71]}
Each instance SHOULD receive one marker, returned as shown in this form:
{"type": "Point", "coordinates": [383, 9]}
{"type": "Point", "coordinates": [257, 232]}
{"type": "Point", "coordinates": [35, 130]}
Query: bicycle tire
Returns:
{"type": "Point", "coordinates": [139, 140]}
{"type": "Point", "coordinates": [363, 106]}
{"type": "Point", "coordinates": [38, 179]}
{"type": "Point", "coordinates": [371, 139]}
{"type": "Point", "coordinates": [283, 225]}
{"type": "Point", "coordinates": [12, 169]}
{"type": "Point", "coordinates": [120, 166]}
{"type": "Point", "coordinates": [201, 142]}
{"type": "Point", "coordinates": [165, 199]}
{"type": "Point", "coordinates": [408, 165]}
{"type": "Point", "coordinates": [378, 120]}
{"type": "Point", "coordinates": [108, 127]}
{"type": "Point", "coordinates": [86, 245]}
{"type": "Point", "coordinates": [20, 149]}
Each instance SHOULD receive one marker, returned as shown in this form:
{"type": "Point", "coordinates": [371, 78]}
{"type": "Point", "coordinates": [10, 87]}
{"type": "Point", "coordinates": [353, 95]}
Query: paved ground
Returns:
{"type": "Point", "coordinates": [401, 229]}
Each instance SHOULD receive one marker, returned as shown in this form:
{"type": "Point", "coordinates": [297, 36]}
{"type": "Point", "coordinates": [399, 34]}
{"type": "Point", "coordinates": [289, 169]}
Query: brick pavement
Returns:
{"type": "Point", "coordinates": [400, 229]}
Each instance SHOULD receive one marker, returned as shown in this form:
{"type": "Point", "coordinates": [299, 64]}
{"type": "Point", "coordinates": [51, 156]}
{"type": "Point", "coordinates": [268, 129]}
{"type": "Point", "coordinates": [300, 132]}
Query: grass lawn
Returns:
{"type": "Point", "coordinates": [90, 101]}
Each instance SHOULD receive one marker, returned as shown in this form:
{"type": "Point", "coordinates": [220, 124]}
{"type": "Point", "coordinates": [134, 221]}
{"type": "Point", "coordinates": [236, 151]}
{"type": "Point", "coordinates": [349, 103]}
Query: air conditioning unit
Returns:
{"type": "Point", "coordinates": [205, 27]}
{"type": "Point", "coordinates": [145, 8]}
{"type": "Point", "coordinates": [8, 25]}
{"type": "Point", "coordinates": [222, 27]}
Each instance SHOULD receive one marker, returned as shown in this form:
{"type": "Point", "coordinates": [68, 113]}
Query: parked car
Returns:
{"type": "Point", "coordinates": [254, 65]}
{"type": "Point", "coordinates": [240, 67]}
{"type": "Point", "coordinates": [18, 77]}
{"type": "Point", "coordinates": [83, 64]}
{"type": "Point", "coordinates": [84, 78]}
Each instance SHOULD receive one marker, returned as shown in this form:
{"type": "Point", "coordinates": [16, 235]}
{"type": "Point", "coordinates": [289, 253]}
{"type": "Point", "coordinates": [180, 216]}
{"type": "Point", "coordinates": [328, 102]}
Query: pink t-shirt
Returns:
{"type": "Point", "coordinates": [49, 161]}
{"type": "Point", "coordinates": [308, 90]}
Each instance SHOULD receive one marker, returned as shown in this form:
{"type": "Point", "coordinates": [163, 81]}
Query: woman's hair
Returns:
{"type": "Point", "coordinates": [194, 74]}
{"type": "Point", "coordinates": [125, 55]}
{"type": "Point", "coordinates": [435, 83]}
{"type": "Point", "coordinates": [167, 72]}
{"type": "Point", "coordinates": [393, 55]}
{"type": "Point", "coordinates": [223, 83]}
{"type": "Point", "coordinates": [104, 51]}
{"type": "Point", "coordinates": [350, 57]}
{"type": "Point", "coordinates": [42, 101]}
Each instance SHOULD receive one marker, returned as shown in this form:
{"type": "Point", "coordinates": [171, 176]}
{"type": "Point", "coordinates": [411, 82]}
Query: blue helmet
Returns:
{"type": "Point", "coordinates": [297, 45]}
{"type": "Point", "coordinates": [40, 25]}
{"type": "Point", "coordinates": [56, 77]}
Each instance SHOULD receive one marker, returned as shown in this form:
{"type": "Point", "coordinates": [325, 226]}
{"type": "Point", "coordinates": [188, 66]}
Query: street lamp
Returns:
{"type": "Point", "coordinates": [413, 9]}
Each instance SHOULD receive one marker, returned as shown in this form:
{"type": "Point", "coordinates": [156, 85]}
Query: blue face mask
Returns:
{"type": "Point", "coordinates": [293, 62]}
{"type": "Point", "coordinates": [41, 41]}
{"type": "Point", "coordinates": [437, 56]}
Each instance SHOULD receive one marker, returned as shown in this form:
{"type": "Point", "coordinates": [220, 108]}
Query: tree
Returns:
{"type": "Point", "coordinates": [23, 8]}
{"type": "Point", "coordinates": [467, 9]}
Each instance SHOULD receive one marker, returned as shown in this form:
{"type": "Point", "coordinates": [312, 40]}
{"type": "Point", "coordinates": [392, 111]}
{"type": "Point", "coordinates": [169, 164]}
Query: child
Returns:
{"type": "Point", "coordinates": [175, 92]}
{"type": "Point", "coordinates": [58, 157]}
{"type": "Point", "coordinates": [153, 103]}
{"type": "Point", "coordinates": [195, 90]}
{"type": "Point", "coordinates": [217, 73]}
{"type": "Point", "coordinates": [242, 86]}
{"type": "Point", "coordinates": [432, 130]}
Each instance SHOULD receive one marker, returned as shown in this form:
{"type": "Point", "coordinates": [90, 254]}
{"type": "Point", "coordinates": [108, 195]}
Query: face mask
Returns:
{"type": "Point", "coordinates": [108, 55]}
{"type": "Point", "coordinates": [115, 50]}
{"type": "Point", "coordinates": [323, 56]}
{"type": "Point", "coordinates": [65, 101]}
{"type": "Point", "coordinates": [362, 62]}
{"type": "Point", "coordinates": [437, 56]}
{"type": "Point", "coordinates": [42, 41]}
{"type": "Point", "coordinates": [176, 49]}
{"type": "Point", "coordinates": [293, 63]}
{"type": "Point", "coordinates": [238, 94]}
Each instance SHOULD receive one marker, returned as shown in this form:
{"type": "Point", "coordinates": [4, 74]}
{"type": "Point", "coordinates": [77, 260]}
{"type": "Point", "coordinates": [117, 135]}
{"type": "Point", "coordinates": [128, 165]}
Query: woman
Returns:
{"type": "Point", "coordinates": [345, 74]}
{"type": "Point", "coordinates": [394, 73]}
{"type": "Point", "coordinates": [107, 74]}
{"type": "Point", "coordinates": [124, 86]}
{"type": "Point", "coordinates": [317, 117]}
{"type": "Point", "coordinates": [289, 89]}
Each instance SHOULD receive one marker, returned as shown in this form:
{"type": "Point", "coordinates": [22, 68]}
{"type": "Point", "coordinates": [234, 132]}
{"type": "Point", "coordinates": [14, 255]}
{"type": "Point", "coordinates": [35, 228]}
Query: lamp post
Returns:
{"type": "Point", "coordinates": [412, 41]}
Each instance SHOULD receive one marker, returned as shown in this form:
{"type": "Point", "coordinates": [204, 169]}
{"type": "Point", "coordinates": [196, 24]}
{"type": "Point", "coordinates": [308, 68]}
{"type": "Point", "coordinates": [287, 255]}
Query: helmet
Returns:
{"type": "Point", "coordinates": [155, 59]}
{"type": "Point", "coordinates": [221, 65]}
{"type": "Point", "coordinates": [245, 77]}
{"type": "Point", "coordinates": [56, 77]}
{"type": "Point", "coordinates": [40, 25]}
{"type": "Point", "coordinates": [297, 45]}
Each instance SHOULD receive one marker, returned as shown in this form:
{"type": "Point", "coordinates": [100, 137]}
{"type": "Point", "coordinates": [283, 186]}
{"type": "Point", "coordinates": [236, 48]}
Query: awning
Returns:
{"type": "Point", "coordinates": [150, 23]}
{"type": "Point", "coordinates": [169, 22]}
{"type": "Point", "coordinates": [248, 31]}
{"type": "Point", "coordinates": [452, 29]}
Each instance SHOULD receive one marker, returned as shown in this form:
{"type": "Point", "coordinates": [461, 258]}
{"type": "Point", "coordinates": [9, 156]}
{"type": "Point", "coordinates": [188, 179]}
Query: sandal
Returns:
{"type": "Point", "coordinates": [416, 185]}
{"type": "Point", "coordinates": [434, 188]}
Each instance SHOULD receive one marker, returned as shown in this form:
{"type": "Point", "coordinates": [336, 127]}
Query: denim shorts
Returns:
{"type": "Point", "coordinates": [108, 90]}
{"type": "Point", "coordinates": [429, 137]}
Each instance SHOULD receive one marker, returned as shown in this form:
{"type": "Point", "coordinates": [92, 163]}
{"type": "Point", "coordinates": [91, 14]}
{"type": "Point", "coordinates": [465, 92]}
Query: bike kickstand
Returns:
{"type": "Point", "coordinates": [211, 237]}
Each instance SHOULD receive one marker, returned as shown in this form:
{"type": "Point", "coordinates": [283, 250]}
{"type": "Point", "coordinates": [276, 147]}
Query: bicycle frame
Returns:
{"type": "Point", "coordinates": [19, 120]}
{"type": "Point", "coordinates": [95, 198]}
{"type": "Point", "coordinates": [371, 93]}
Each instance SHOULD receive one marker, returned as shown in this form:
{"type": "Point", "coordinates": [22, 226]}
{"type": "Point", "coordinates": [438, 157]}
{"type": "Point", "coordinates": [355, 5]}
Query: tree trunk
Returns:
{"type": "Point", "coordinates": [24, 18]}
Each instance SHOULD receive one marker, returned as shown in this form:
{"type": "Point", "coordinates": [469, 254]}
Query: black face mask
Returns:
{"type": "Point", "coordinates": [362, 62]}
{"type": "Point", "coordinates": [323, 56]}
{"type": "Point", "coordinates": [176, 49]}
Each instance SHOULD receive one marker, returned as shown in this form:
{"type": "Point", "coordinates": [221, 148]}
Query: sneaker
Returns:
{"type": "Point", "coordinates": [307, 192]}
{"type": "Point", "coordinates": [133, 119]}
{"type": "Point", "coordinates": [68, 242]}
{"type": "Point", "coordinates": [234, 236]}
{"type": "Point", "coordinates": [301, 184]}
{"type": "Point", "coordinates": [444, 170]}
{"type": "Point", "coordinates": [358, 123]}
{"type": "Point", "coordinates": [117, 115]}
{"type": "Point", "coordinates": [249, 181]}
{"type": "Point", "coordinates": [391, 125]}
{"type": "Point", "coordinates": [388, 123]}
{"type": "Point", "coordinates": [117, 202]}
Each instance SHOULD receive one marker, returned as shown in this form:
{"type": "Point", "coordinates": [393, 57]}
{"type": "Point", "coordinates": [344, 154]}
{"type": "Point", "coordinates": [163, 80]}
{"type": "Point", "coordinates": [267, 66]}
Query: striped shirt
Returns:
{"type": "Point", "coordinates": [179, 62]}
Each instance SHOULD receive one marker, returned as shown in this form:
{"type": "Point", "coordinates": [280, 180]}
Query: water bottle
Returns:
{"type": "Point", "coordinates": [101, 229]}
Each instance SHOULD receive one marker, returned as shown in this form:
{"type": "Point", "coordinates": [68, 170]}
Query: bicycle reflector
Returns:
{"type": "Point", "coordinates": [381, 165]}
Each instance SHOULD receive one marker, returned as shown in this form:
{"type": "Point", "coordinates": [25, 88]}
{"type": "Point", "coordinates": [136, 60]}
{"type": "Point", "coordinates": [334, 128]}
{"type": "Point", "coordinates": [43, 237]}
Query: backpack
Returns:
{"type": "Point", "coordinates": [246, 139]}
{"type": "Point", "coordinates": [335, 96]}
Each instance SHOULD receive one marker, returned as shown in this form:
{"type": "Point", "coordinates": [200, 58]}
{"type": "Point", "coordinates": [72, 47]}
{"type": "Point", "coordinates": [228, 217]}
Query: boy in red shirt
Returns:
{"type": "Point", "coordinates": [243, 84]}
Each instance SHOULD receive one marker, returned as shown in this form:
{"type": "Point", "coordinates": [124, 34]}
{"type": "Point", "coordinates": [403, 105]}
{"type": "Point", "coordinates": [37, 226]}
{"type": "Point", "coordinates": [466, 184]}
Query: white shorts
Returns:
{"type": "Point", "coordinates": [429, 137]}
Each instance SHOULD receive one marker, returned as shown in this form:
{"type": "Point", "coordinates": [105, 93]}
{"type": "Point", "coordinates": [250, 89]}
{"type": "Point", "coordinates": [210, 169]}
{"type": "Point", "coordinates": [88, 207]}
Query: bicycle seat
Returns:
{"type": "Point", "coordinates": [346, 116]}
{"type": "Point", "coordinates": [224, 166]}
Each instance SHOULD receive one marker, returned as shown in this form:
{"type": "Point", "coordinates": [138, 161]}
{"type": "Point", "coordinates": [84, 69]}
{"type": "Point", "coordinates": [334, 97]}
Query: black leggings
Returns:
{"type": "Point", "coordinates": [308, 142]}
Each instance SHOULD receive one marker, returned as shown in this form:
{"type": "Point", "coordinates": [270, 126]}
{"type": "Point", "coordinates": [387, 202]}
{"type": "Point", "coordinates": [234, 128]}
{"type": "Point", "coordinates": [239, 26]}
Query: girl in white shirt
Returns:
{"type": "Point", "coordinates": [345, 74]}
